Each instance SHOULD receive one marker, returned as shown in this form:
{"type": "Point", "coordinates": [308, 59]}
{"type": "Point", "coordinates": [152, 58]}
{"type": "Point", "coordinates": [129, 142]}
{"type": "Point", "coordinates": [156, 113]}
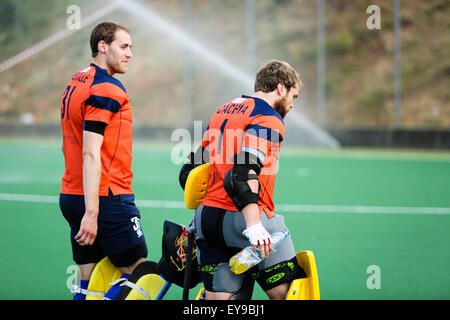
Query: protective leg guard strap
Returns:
{"type": "Point", "coordinates": [124, 282]}
{"type": "Point", "coordinates": [154, 286]}
{"type": "Point", "coordinates": [76, 289]}
{"type": "Point", "coordinates": [145, 283]}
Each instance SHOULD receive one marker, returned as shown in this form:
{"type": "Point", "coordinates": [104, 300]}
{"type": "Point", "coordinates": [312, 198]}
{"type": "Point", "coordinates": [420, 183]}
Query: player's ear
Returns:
{"type": "Point", "coordinates": [281, 89]}
{"type": "Point", "coordinates": [101, 46]}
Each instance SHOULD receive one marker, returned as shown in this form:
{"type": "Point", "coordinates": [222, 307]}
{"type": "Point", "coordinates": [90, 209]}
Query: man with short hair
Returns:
{"type": "Point", "coordinates": [96, 196]}
{"type": "Point", "coordinates": [242, 144]}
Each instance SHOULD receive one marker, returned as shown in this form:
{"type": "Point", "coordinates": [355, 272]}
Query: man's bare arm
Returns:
{"type": "Point", "coordinates": [92, 143]}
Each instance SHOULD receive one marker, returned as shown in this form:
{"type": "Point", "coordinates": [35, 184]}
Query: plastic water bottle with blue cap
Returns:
{"type": "Point", "coordinates": [246, 258]}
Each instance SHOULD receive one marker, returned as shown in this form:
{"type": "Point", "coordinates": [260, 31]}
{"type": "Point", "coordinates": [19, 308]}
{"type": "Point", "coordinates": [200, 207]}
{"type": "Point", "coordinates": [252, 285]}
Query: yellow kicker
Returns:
{"type": "Point", "coordinates": [103, 274]}
{"type": "Point", "coordinates": [196, 186]}
{"type": "Point", "coordinates": [305, 288]}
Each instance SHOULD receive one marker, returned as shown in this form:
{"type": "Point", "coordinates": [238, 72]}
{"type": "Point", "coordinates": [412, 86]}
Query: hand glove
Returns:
{"type": "Point", "coordinates": [257, 235]}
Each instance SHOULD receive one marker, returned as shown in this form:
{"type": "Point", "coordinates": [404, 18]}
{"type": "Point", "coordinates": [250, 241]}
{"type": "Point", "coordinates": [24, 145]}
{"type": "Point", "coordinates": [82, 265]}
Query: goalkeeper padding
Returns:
{"type": "Point", "coordinates": [305, 288]}
{"type": "Point", "coordinates": [196, 186]}
{"type": "Point", "coordinates": [145, 283]}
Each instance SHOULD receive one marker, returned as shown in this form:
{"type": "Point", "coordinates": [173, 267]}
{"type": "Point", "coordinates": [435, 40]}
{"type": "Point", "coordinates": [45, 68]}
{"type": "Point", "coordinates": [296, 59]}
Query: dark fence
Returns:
{"type": "Point", "coordinates": [351, 137]}
{"type": "Point", "coordinates": [392, 137]}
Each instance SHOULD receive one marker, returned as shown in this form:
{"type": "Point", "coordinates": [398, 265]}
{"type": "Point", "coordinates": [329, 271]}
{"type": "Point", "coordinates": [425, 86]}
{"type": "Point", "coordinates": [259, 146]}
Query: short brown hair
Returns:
{"type": "Point", "coordinates": [105, 31]}
{"type": "Point", "coordinates": [274, 72]}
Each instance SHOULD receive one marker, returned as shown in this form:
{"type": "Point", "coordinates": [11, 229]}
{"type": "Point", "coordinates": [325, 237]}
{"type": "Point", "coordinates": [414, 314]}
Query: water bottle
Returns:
{"type": "Point", "coordinates": [246, 258]}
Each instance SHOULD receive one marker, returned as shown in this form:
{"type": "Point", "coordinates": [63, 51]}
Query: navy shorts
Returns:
{"type": "Point", "coordinates": [119, 233]}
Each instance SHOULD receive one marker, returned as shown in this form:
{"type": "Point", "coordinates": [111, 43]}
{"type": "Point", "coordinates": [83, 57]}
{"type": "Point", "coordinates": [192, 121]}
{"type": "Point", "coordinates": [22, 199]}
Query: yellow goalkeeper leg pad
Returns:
{"type": "Point", "coordinates": [103, 274]}
{"type": "Point", "coordinates": [201, 294]}
{"type": "Point", "coordinates": [149, 287]}
{"type": "Point", "coordinates": [305, 288]}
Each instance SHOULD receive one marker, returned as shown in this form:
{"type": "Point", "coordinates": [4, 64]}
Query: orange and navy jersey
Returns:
{"type": "Point", "coordinates": [244, 124]}
{"type": "Point", "coordinates": [94, 95]}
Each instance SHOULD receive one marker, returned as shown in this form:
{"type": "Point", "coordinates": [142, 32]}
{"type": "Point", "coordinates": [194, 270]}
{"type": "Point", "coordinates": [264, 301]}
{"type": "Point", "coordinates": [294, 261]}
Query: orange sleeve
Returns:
{"type": "Point", "coordinates": [104, 101]}
{"type": "Point", "coordinates": [263, 133]}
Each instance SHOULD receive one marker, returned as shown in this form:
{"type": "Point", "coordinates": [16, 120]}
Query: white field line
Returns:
{"type": "Point", "coordinates": [281, 207]}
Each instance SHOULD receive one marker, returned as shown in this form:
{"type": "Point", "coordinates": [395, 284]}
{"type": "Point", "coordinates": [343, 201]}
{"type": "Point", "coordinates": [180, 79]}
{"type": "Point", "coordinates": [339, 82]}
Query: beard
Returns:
{"type": "Point", "coordinates": [280, 107]}
{"type": "Point", "coordinates": [114, 63]}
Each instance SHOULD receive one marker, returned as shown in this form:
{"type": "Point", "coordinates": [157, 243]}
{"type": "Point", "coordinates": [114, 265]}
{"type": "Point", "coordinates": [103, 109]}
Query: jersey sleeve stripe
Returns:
{"type": "Point", "coordinates": [107, 89]}
{"type": "Point", "coordinates": [257, 153]}
{"type": "Point", "coordinates": [264, 133]}
{"type": "Point", "coordinates": [104, 103]}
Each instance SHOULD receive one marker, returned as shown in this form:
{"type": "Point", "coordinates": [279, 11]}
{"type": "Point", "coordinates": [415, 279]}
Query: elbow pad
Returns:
{"type": "Point", "coordinates": [237, 188]}
{"type": "Point", "coordinates": [249, 161]}
{"type": "Point", "coordinates": [201, 156]}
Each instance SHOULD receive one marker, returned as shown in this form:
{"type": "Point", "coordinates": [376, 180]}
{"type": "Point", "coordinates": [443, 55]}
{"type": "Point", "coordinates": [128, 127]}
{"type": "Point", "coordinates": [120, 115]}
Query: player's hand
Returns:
{"type": "Point", "coordinates": [259, 237]}
{"type": "Point", "coordinates": [88, 230]}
